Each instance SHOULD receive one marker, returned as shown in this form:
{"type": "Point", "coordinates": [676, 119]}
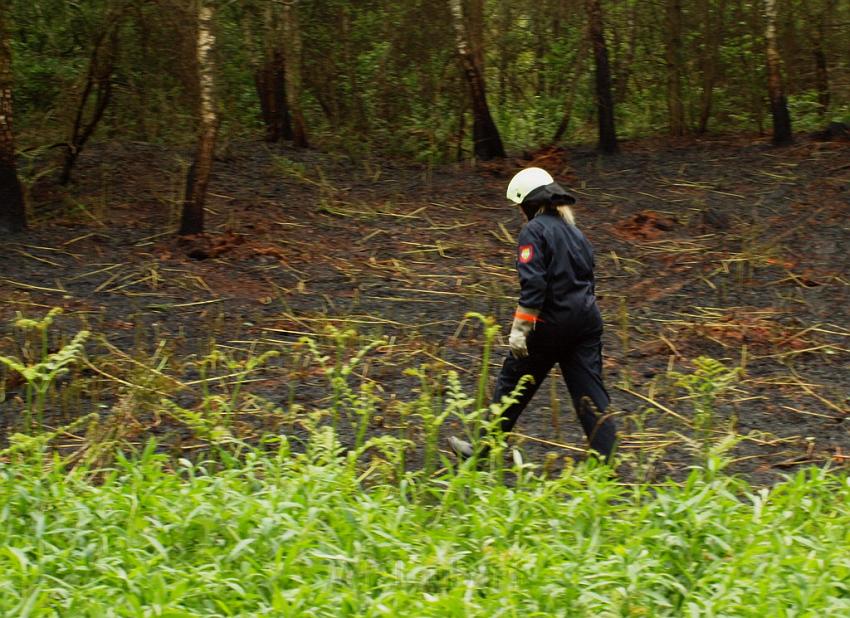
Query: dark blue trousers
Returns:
{"type": "Point", "coordinates": [580, 360]}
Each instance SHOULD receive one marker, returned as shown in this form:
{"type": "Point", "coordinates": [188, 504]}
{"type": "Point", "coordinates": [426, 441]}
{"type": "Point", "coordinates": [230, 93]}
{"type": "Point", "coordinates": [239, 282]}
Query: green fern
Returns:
{"type": "Point", "coordinates": [43, 372]}
{"type": "Point", "coordinates": [710, 380]}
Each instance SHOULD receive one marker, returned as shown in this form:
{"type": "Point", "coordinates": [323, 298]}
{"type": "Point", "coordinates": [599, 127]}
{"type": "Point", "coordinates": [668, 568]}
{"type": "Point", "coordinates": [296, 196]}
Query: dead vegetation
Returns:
{"type": "Point", "coordinates": [728, 250]}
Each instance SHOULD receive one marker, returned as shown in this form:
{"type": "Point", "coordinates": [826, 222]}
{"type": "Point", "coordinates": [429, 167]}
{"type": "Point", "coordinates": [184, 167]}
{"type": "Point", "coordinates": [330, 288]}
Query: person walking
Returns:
{"type": "Point", "coordinates": [557, 319]}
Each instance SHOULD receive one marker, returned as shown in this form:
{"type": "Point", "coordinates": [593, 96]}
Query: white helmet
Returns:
{"type": "Point", "coordinates": [526, 181]}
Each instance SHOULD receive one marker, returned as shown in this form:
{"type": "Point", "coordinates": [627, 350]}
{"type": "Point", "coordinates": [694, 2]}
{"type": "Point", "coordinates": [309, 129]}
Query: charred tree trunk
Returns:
{"type": "Point", "coordinates": [604, 100]}
{"type": "Point", "coordinates": [270, 77]}
{"type": "Point", "coordinates": [292, 61]}
{"type": "Point", "coordinates": [282, 119]}
{"type": "Point", "coordinates": [270, 81]}
{"type": "Point", "coordinates": [192, 221]}
{"type": "Point", "coordinates": [778, 102]}
{"type": "Point", "coordinates": [673, 55]}
{"type": "Point", "coordinates": [12, 211]}
{"type": "Point", "coordinates": [487, 144]}
{"type": "Point", "coordinates": [98, 84]}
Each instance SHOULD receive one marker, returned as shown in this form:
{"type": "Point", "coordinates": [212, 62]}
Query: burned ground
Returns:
{"type": "Point", "coordinates": [728, 249]}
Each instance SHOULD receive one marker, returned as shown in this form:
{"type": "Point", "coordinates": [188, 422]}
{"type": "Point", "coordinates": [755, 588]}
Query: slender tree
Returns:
{"type": "Point", "coordinates": [12, 211]}
{"type": "Point", "coordinates": [604, 100]}
{"type": "Point", "coordinates": [506, 53]}
{"type": "Point", "coordinates": [292, 61]}
{"type": "Point", "coordinates": [817, 36]}
{"type": "Point", "coordinates": [270, 77]}
{"type": "Point", "coordinates": [624, 65]}
{"type": "Point", "coordinates": [711, 14]}
{"type": "Point", "coordinates": [474, 15]}
{"type": "Point", "coordinates": [775, 89]}
{"type": "Point", "coordinates": [578, 70]}
{"type": "Point", "coordinates": [192, 221]}
{"type": "Point", "coordinates": [97, 84]}
{"type": "Point", "coordinates": [673, 56]}
{"type": "Point", "coordinates": [487, 143]}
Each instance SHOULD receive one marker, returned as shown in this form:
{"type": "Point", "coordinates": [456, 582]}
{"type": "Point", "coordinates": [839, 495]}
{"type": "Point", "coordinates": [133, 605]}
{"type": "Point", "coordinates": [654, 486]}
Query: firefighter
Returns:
{"type": "Point", "coordinates": [557, 319]}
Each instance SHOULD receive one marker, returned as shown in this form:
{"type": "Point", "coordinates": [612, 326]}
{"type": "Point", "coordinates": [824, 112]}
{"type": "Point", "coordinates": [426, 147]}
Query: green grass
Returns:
{"type": "Point", "coordinates": [279, 528]}
{"type": "Point", "coordinates": [274, 533]}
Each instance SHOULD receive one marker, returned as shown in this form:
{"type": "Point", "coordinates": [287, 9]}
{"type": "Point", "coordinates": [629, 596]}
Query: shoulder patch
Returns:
{"type": "Point", "coordinates": [526, 253]}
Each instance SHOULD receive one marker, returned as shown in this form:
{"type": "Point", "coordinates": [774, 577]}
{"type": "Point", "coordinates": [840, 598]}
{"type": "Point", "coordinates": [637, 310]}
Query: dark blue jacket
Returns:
{"type": "Point", "coordinates": [555, 265]}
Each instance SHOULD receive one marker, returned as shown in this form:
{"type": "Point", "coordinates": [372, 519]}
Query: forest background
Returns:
{"type": "Point", "coordinates": [335, 119]}
{"type": "Point", "coordinates": [254, 262]}
{"type": "Point", "coordinates": [382, 77]}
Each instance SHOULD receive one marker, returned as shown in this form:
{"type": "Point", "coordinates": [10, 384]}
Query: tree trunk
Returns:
{"type": "Point", "coordinates": [712, 22]}
{"type": "Point", "coordinates": [12, 211]}
{"type": "Point", "coordinates": [778, 102]}
{"type": "Point", "coordinates": [604, 100]}
{"type": "Point", "coordinates": [505, 57]}
{"type": "Point", "coordinates": [263, 85]}
{"type": "Point", "coordinates": [98, 83]}
{"type": "Point", "coordinates": [624, 65]}
{"type": "Point", "coordinates": [270, 76]}
{"type": "Point", "coordinates": [199, 173]}
{"type": "Point", "coordinates": [673, 56]}
{"type": "Point", "coordinates": [292, 61]}
{"type": "Point", "coordinates": [821, 77]}
{"type": "Point", "coordinates": [817, 35]}
{"type": "Point", "coordinates": [485, 135]}
{"type": "Point", "coordinates": [539, 23]}
{"type": "Point", "coordinates": [571, 95]}
{"type": "Point", "coordinates": [270, 82]}
{"type": "Point", "coordinates": [475, 30]}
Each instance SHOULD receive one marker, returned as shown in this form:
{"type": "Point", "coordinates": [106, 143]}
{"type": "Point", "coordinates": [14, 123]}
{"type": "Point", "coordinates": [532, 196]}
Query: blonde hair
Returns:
{"type": "Point", "coordinates": [564, 211]}
{"type": "Point", "coordinates": [566, 214]}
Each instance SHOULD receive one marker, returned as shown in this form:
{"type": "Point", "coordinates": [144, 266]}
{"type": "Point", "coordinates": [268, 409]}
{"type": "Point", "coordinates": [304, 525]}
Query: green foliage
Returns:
{"type": "Point", "coordinates": [330, 524]}
{"type": "Point", "coordinates": [708, 382]}
{"type": "Point", "coordinates": [357, 405]}
{"type": "Point", "coordinates": [43, 368]}
{"type": "Point", "coordinates": [382, 77]}
{"type": "Point", "coordinates": [277, 533]}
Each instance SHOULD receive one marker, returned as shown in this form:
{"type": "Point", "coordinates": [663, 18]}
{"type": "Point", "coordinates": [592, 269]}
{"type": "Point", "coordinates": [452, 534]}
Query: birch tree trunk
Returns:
{"type": "Point", "coordinates": [487, 144]}
{"type": "Point", "coordinates": [604, 100]}
{"type": "Point", "coordinates": [775, 89]}
{"type": "Point", "coordinates": [199, 174]}
{"type": "Point", "coordinates": [12, 211]}
{"type": "Point", "coordinates": [292, 61]}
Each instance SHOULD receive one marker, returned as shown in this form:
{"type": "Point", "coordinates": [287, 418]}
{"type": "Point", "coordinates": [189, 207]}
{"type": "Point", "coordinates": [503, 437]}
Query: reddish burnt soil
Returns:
{"type": "Point", "coordinates": [729, 249]}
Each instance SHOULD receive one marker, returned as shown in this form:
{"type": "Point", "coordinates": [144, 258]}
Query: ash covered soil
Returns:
{"type": "Point", "coordinates": [728, 249]}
